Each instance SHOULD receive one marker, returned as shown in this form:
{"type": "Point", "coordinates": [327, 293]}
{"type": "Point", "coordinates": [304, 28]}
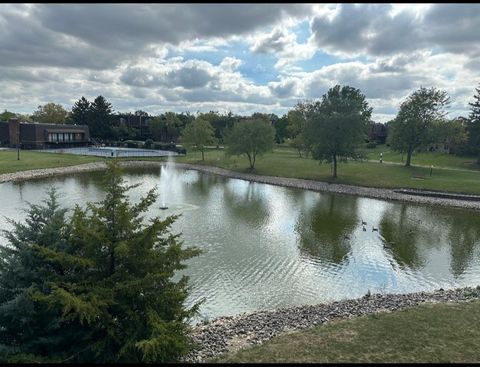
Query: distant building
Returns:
{"type": "Point", "coordinates": [38, 136]}
{"type": "Point", "coordinates": [378, 133]}
{"type": "Point", "coordinates": [139, 122]}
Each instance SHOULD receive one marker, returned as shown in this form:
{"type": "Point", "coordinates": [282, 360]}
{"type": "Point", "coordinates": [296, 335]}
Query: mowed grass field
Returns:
{"type": "Point", "coordinates": [449, 173]}
{"type": "Point", "coordinates": [428, 333]}
{"type": "Point", "coordinates": [285, 162]}
{"type": "Point", "coordinates": [34, 160]}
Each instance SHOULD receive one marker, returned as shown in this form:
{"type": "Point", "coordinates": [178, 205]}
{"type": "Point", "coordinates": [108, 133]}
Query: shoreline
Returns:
{"type": "Point", "coordinates": [394, 194]}
{"type": "Point", "coordinates": [231, 333]}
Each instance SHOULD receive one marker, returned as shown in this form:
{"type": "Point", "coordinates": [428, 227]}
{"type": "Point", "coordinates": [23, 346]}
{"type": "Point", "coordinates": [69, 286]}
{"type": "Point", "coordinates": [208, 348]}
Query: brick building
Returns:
{"type": "Point", "coordinates": [40, 136]}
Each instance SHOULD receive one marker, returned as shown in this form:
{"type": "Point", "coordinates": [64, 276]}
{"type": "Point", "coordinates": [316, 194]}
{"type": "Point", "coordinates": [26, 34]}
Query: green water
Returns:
{"type": "Point", "coordinates": [267, 246]}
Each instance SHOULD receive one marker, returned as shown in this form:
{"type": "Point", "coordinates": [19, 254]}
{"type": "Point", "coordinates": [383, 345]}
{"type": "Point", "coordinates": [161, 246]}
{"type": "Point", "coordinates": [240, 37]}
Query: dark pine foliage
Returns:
{"type": "Point", "coordinates": [96, 288]}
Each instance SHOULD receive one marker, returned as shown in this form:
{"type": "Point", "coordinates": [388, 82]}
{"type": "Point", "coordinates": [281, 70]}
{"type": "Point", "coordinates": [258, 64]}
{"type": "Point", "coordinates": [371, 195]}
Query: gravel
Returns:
{"type": "Point", "coordinates": [370, 192]}
{"type": "Point", "coordinates": [230, 333]}
{"type": "Point", "coordinates": [227, 334]}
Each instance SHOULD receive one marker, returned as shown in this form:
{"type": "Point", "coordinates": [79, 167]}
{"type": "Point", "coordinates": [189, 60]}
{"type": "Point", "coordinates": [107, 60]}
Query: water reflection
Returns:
{"type": "Point", "coordinates": [401, 234]}
{"type": "Point", "coordinates": [246, 201]}
{"type": "Point", "coordinates": [268, 246]}
{"type": "Point", "coordinates": [325, 230]}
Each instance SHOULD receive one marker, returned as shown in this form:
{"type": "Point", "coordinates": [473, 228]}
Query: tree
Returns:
{"type": "Point", "coordinates": [337, 125]}
{"type": "Point", "coordinates": [412, 127]}
{"type": "Point", "coordinates": [297, 120]}
{"type": "Point", "coordinates": [81, 112]}
{"type": "Point", "coordinates": [30, 330]}
{"type": "Point", "coordinates": [50, 113]}
{"type": "Point", "coordinates": [7, 115]}
{"type": "Point", "coordinates": [252, 137]}
{"type": "Point", "coordinates": [157, 126]}
{"type": "Point", "coordinates": [281, 131]}
{"type": "Point", "coordinates": [99, 289]}
{"type": "Point", "coordinates": [473, 126]}
{"type": "Point", "coordinates": [198, 134]}
{"type": "Point", "coordinates": [99, 122]}
{"type": "Point", "coordinates": [452, 134]}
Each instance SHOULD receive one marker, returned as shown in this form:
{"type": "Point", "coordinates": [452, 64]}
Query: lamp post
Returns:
{"type": "Point", "coordinates": [18, 144]}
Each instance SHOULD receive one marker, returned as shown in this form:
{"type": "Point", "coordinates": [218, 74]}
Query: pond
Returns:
{"type": "Point", "coordinates": [266, 247]}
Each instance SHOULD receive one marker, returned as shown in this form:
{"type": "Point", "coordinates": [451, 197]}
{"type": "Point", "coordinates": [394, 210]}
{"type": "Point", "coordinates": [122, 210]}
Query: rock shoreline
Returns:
{"type": "Point", "coordinates": [230, 333]}
{"type": "Point", "coordinates": [370, 192]}
{"type": "Point", "coordinates": [227, 334]}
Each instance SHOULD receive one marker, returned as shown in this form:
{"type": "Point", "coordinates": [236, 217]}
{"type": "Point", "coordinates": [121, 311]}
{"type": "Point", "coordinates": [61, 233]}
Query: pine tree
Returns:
{"type": "Point", "coordinates": [81, 112]}
{"type": "Point", "coordinates": [30, 331]}
{"type": "Point", "coordinates": [107, 279]}
{"type": "Point", "coordinates": [100, 113]}
{"type": "Point", "coordinates": [473, 126]}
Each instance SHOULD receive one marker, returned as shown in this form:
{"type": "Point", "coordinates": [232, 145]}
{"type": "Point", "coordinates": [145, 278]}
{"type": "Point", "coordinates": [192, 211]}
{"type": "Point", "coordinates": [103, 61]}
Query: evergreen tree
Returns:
{"type": "Point", "coordinates": [473, 126]}
{"type": "Point", "coordinates": [81, 111]}
{"type": "Point", "coordinates": [99, 122]}
{"type": "Point", "coordinates": [31, 331]}
{"type": "Point", "coordinates": [102, 287]}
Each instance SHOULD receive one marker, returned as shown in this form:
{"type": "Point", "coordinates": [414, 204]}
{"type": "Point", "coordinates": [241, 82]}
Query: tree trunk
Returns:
{"type": "Point", "coordinates": [250, 161]}
{"type": "Point", "coordinates": [203, 158]}
{"type": "Point", "coordinates": [409, 157]}
{"type": "Point", "coordinates": [334, 166]}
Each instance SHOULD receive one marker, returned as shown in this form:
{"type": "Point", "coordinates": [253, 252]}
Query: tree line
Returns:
{"type": "Point", "coordinates": [329, 129]}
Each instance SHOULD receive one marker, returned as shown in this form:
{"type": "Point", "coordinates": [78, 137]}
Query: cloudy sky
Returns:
{"type": "Point", "coordinates": [242, 58]}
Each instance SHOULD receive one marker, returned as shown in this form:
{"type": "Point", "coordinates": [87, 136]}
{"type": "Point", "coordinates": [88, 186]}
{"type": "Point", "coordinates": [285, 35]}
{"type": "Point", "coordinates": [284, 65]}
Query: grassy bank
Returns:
{"type": "Point", "coordinates": [434, 333]}
{"type": "Point", "coordinates": [285, 162]}
{"type": "Point", "coordinates": [34, 160]}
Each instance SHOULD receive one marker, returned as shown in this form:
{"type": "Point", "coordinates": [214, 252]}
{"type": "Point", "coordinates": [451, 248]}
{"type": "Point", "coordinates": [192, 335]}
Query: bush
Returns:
{"type": "Point", "coordinates": [148, 143]}
{"type": "Point", "coordinates": [132, 144]}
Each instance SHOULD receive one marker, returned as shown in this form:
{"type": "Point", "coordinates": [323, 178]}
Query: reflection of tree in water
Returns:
{"type": "Point", "coordinates": [249, 206]}
{"type": "Point", "coordinates": [402, 235]}
{"type": "Point", "coordinates": [463, 236]}
{"type": "Point", "coordinates": [322, 230]}
{"type": "Point", "coordinates": [203, 184]}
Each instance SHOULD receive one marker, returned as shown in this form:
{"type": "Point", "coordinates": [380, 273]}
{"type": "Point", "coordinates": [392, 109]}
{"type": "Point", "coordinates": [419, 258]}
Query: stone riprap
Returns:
{"type": "Point", "coordinates": [227, 334]}
{"type": "Point", "coordinates": [370, 192]}
{"type": "Point", "coordinates": [230, 333]}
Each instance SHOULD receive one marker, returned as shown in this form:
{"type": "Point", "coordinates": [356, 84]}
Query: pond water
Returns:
{"type": "Point", "coordinates": [266, 247]}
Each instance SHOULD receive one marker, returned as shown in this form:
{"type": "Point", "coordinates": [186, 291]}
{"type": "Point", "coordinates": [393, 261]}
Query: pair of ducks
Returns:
{"type": "Point", "coordinates": [373, 227]}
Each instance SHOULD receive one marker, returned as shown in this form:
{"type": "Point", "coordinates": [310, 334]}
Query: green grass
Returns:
{"type": "Point", "coordinates": [429, 333]}
{"type": "Point", "coordinates": [285, 162]}
{"type": "Point", "coordinates": [34, 160]}
{"type": "Point", "coordinates": [422, 159]}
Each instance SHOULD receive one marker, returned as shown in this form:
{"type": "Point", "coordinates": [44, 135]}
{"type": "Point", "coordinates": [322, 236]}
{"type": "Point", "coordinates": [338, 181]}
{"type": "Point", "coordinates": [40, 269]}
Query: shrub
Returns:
{"type": "Point", "coordinates": [148, 143]}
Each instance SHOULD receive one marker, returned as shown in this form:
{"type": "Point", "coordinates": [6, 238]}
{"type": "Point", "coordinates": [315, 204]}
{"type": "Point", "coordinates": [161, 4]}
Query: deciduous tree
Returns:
{"type": "Point", "coordinates": [50, 113]}
{"type": "Point", "coordinates": [252, 137]}
{"type": "Point", "coordinates": [412, 128]}
{"type": "Point", "coordinates": [198, 134]}
{"type": "Point", "coordinates": [337, 125]}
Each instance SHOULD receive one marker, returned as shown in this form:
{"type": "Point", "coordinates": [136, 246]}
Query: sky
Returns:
{"type": "Point", "coordinates": [242, 58]}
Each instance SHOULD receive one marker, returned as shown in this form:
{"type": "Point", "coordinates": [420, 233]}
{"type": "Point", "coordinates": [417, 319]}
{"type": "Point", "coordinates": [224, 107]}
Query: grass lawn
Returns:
{"type": "Point", "coordinates": [422, 159]}
{"type": "Point", "coordinates": [285, 162]}
{"type": "Point", "coordinates": [428, 333]}
{"type": "Point", "coordinates": [34, 160]}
